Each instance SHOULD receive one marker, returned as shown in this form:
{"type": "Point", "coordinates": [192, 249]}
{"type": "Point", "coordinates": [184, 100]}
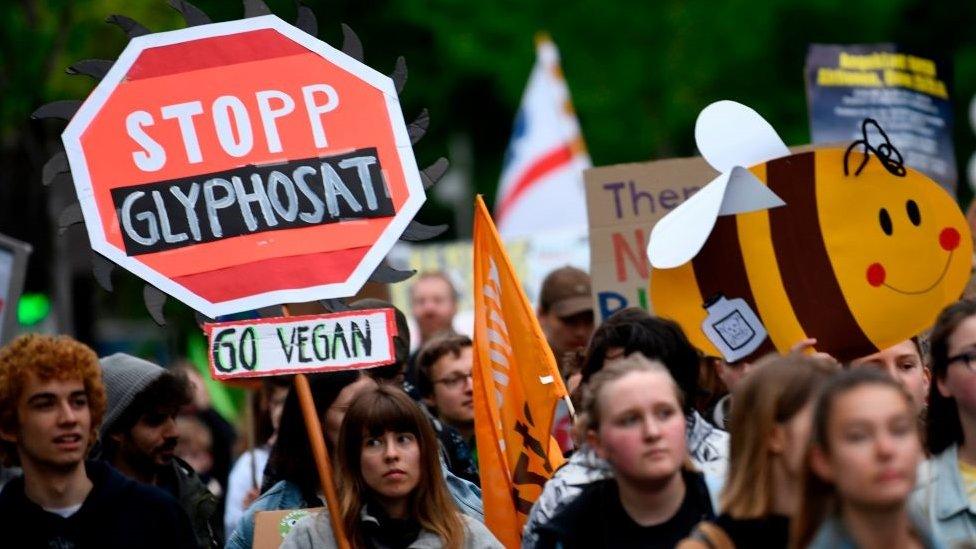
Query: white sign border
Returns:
{"type": "Point", "coordinates": [99, 96]}
{"type": "Point", "coordinates": [391, 330]}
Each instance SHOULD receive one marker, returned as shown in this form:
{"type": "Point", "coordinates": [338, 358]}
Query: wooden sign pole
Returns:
{"type": "Point", "coordinates": [315, 438]}
{"type": "Point", "coordinates": [314, 428]}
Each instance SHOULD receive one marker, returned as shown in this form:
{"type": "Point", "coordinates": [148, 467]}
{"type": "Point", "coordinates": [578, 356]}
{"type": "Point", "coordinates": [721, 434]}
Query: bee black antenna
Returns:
{"type": "Point", "coordinates": [886, 152]}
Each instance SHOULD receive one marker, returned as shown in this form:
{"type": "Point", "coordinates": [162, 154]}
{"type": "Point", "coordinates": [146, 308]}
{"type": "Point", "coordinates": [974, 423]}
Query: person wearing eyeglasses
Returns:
{"type": "Point", "coordinates": [444, 383]}
{"type": "Point", "coordinates": [946, 488]}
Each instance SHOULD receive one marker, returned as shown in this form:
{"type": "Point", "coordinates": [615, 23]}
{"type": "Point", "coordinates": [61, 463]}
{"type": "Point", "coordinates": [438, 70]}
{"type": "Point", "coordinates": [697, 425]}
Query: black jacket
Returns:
{"type": "Point", "coordinates": [769, 532]}
{"type": "Point", "coordinates": [118, 513]}
{"type": "Point", "coordinates": [596, 519]}
{"type": "Point", "coordinates": [202, 507]}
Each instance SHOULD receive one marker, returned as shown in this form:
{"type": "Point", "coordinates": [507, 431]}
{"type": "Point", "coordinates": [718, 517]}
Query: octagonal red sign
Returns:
{"type": "Point", "coordinates": [243, 164]}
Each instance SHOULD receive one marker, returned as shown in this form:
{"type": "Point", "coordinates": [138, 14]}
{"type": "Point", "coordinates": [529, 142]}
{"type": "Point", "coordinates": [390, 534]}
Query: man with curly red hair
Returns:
{"type": "Point", "coordinates": [51, 404]}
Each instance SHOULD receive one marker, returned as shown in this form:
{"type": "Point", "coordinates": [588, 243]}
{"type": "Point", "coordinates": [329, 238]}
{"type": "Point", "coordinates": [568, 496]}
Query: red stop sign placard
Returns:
{"type": "Point", "coordinates": [243, 164]}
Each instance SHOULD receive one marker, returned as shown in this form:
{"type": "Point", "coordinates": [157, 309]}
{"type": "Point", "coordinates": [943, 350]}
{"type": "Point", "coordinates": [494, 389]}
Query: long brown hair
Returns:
{"type": "Point", "coordinates": [943, 428]}
{"type": "Point", "coordinates": [771, 395]}
{"type": "Point", "coordinates": [386, 408]}
{"type": "Point", "coordinates": [819, 497]}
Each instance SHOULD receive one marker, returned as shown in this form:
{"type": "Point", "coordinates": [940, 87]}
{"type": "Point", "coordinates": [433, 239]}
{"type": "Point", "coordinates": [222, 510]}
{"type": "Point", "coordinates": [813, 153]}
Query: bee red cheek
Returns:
{"type": "Point", "coordinates": [949, 239]}
{"type": "Point", "coordinates": [876, 274]}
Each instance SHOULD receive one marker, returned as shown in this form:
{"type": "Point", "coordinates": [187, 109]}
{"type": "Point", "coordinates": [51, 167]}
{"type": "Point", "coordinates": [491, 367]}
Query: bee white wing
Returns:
{"type": "Point", "coordinates": [679, 236]}
{"type": "Point", "coordinates": [729, 136]}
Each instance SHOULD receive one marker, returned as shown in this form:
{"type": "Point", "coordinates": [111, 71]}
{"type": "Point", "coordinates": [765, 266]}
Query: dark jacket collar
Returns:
{"type": "Point", "coordinates": [584, 508]}
{"type": "Point", "coordinates": [107, 484]}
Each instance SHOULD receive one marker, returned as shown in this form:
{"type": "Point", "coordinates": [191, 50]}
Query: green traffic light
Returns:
{"type": "Point", "coordinates": [33, 308]}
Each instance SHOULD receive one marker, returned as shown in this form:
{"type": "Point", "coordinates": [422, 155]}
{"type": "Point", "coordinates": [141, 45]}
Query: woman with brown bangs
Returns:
{"type": "Point", "coordinates": [391, 492]}
{"type": "Point", "coordinates": [770, 425]}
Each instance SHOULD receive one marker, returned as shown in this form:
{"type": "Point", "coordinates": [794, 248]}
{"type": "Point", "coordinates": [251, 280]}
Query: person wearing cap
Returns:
{"type": "Point", "coordinates": [51, 404]}
{"type": "Point", "coordinates": [566, 311]}
{"type": "Point", "coordinates": [139, 438]}
{"type": "Point", "coordinates": [396, 371]}
{"type": "Point", "coordinates": [565, 314]}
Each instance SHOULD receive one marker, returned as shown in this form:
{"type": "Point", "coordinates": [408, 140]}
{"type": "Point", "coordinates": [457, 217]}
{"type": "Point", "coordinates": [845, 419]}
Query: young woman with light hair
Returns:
{"type": "Point", "coordinates": [770, 425]}
{"type": "Point", "coordinates": [634, 420]}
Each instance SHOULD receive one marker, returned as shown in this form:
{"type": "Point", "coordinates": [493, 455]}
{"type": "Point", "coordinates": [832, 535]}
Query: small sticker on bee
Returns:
{"type": "Point", "coordinates": [733, 327]}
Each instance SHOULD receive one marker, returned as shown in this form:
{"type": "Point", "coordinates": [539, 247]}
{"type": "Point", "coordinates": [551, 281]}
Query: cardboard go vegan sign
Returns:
{"type": "Point", "coordinates": [301, 344]}
{"type": "Point", "coordinates": [243, 164]}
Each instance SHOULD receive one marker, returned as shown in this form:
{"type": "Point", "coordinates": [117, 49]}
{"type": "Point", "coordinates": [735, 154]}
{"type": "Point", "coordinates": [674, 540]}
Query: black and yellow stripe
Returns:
{"type": "Point", "coordinates": [804, 263]}
{"type": "Point", "coordinates": [720, 269]}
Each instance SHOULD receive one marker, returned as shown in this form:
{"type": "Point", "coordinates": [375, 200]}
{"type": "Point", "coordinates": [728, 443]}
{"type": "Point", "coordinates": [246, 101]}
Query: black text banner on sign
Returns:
{"type": "Point", "coordinates": [312, 191]}
{"type": "Point", "coordinates": [301, 344]}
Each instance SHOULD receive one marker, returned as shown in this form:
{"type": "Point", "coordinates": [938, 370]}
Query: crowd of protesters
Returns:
{"type": "Point", "coordinates": [668, 447]}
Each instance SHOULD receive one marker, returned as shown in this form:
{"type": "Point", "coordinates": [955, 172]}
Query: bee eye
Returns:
{"type": "Point", "coordinates": [914, 215]}
{"type": "Point", "coordinates": [885, 221]}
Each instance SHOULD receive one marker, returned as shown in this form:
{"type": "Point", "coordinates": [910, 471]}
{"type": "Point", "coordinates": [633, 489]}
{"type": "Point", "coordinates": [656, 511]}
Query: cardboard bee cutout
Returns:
{"type": "Point", "coordinates": [848, 246]}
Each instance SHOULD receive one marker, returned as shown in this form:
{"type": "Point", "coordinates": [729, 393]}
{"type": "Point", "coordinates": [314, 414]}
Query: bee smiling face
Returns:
{"type": "Point", "coordinates": [948, 239]}
{"type": "Point", "coordinates": [899, 246]}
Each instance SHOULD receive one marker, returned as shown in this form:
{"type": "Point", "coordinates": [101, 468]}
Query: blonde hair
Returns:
{"type": "Point", "coordinates": [612, 371]}
{"type": "Point", "coordinates": [769, 396]}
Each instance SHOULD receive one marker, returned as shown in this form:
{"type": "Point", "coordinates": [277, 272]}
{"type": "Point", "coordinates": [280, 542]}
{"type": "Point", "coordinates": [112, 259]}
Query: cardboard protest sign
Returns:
{"type": "Point", "coordinates": [243, 164]}
{"type": "Point", "coordinates": [623, 203]}
{"type": "Point", "coordinates": [301, 344]}
{"type": "Point", "coordinates": [13, 269]}
{"type": "Point", "coordinates": [272, 527]}
{"type": "Point", "coordinates": [908, 94]}
{"type": "Point", "coordinates": [848, 246]}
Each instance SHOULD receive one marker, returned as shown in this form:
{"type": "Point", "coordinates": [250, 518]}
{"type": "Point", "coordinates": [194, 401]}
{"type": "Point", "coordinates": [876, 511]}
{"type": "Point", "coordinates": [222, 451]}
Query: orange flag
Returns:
{"type": "Point", "coordinates": [516, 387]}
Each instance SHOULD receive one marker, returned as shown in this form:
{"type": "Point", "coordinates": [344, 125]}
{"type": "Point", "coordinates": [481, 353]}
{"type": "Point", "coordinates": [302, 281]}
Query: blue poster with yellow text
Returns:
{"type": "Point", "coordinates": [906, 93]}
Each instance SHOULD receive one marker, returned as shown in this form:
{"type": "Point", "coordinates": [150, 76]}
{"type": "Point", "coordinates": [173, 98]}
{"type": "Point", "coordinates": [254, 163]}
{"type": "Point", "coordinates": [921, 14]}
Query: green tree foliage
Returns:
{"type": "Point", "coordinates": [639, 71]}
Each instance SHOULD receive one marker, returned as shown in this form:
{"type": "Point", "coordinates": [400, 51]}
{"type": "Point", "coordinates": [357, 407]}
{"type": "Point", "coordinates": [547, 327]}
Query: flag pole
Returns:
{"type": "Point", "coordinates": [569, 406]}
{"type": "Point", "coordinates": [314, 428]}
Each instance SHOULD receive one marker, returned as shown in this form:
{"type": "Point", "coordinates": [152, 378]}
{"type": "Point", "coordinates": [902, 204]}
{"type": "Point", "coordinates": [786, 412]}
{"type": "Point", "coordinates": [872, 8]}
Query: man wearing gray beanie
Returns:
{"type": "Point", "coordinates": [139, 437]}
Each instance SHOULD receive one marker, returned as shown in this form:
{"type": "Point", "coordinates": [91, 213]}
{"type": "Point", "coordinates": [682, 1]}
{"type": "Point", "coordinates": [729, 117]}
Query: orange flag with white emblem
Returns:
{"type": "Point", "coordinates": [516, 388]}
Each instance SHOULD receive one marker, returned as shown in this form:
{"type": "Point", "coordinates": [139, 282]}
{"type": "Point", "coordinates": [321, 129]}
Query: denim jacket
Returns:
{"type": "Point", "coordinates": [283, 495]}
{"type": "Point", "coordinates": [286, 495]}
{"type": "Point", "coordinates": [315, 532]}
{"type": "Point", "coordinates": [833, 535]}
{"type": "Point", "coordinates": [940, 498]}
